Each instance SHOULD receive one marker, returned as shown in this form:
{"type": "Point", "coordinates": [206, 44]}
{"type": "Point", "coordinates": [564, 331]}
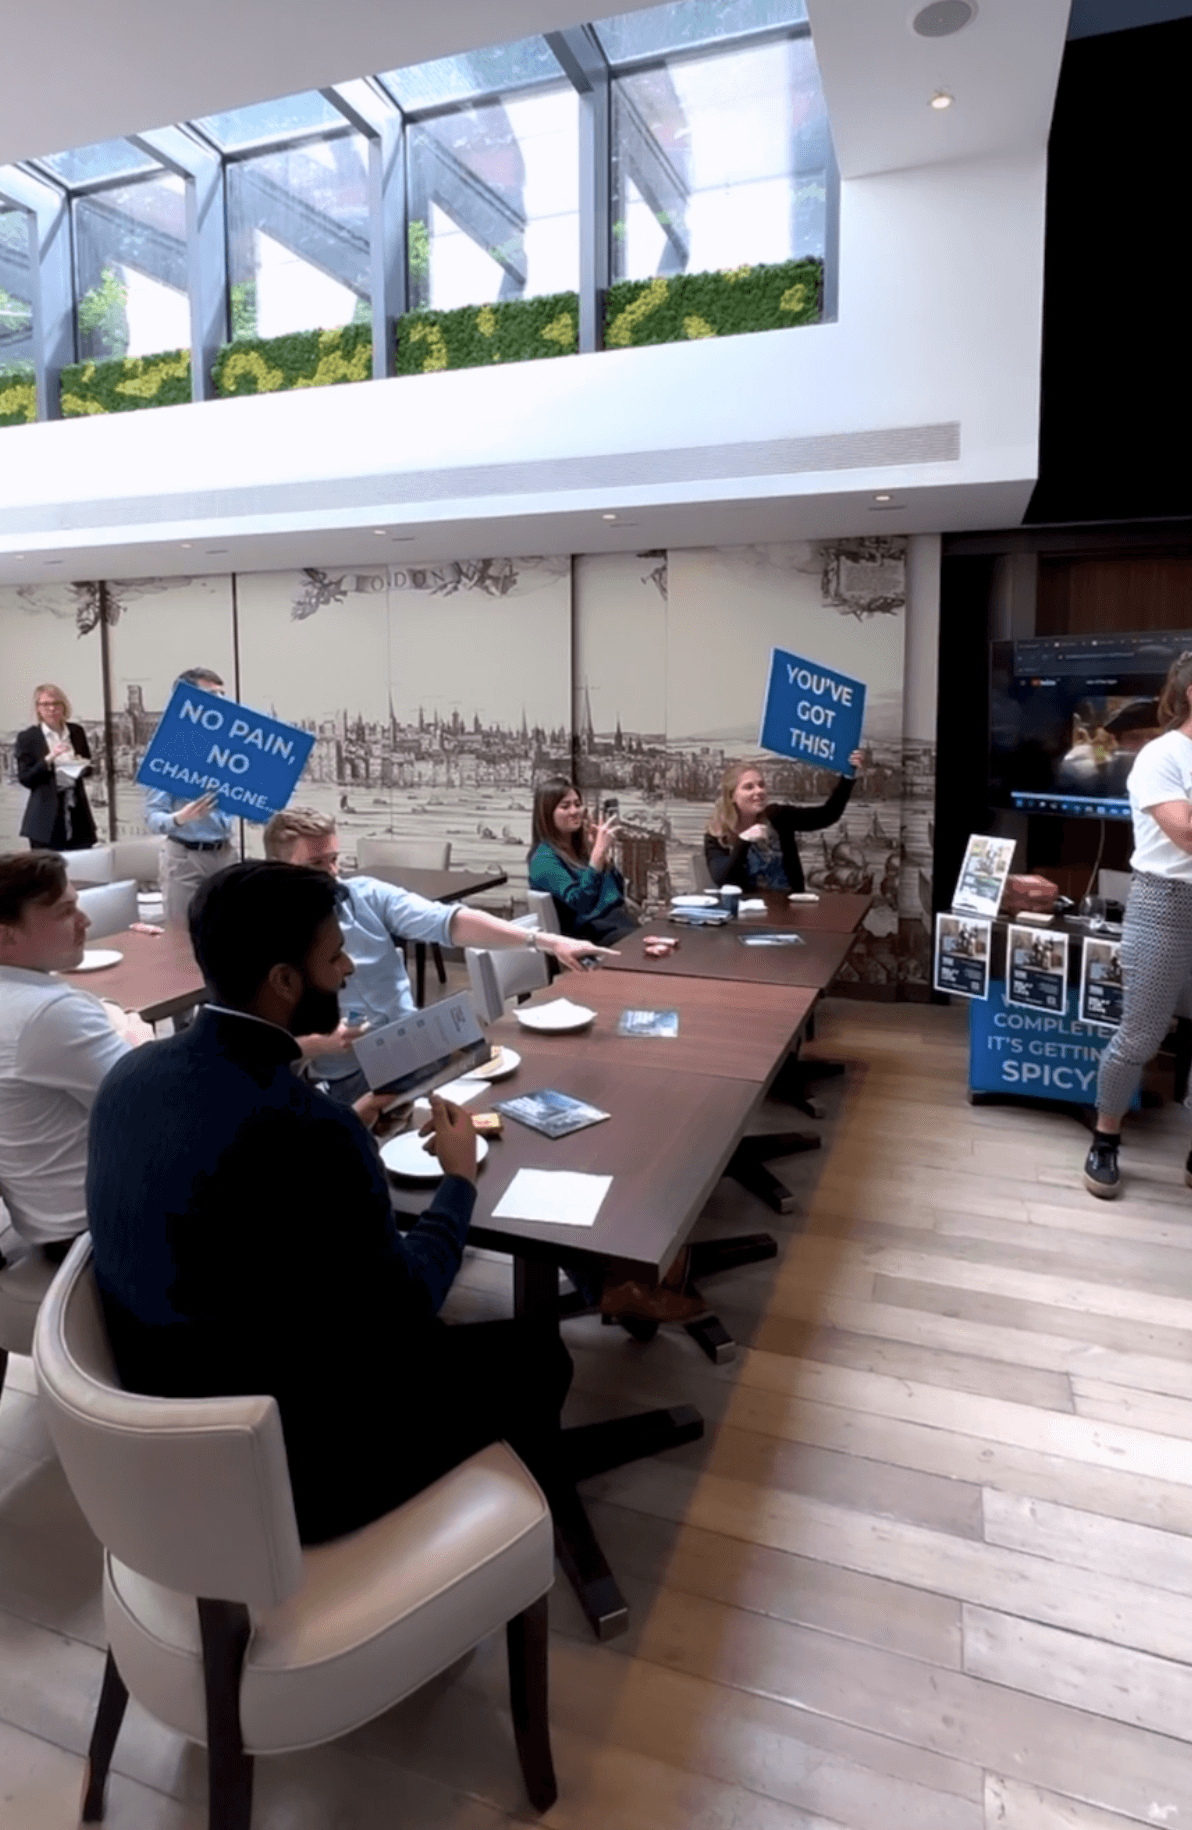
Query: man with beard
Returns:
{"type": "Point", "coordinates": [244, 1240]}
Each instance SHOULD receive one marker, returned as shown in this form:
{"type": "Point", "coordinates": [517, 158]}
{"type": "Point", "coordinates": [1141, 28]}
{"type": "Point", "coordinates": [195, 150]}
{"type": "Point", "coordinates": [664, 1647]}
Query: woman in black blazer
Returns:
{"type": "Point", "coordinates": [750, 840]}
{"type": "Point", "coordinates": [57, 816]}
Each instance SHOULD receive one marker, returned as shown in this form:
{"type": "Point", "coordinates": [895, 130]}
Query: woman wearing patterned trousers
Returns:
{"type": "Point", "coordinates": [1157, 931]}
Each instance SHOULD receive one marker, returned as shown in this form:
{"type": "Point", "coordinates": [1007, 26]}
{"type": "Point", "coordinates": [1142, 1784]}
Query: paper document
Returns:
{"type": "Point", "coordinates": [751, 905]}
{"type": "Point", "coordinates": [562, 1197]}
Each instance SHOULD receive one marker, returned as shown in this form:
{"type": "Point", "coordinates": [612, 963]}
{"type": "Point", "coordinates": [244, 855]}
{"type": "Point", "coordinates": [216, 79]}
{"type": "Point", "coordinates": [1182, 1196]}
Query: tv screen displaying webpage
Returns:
{"type": "Point", "coordinates": [1068, 715]}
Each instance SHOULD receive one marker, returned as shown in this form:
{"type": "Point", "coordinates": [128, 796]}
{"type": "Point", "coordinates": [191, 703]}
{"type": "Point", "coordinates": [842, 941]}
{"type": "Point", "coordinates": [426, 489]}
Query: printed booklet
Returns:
{"type": "Point", "coordinates": [648, 1023]}
{"type": "Point", "coordinates": [554, 1114]}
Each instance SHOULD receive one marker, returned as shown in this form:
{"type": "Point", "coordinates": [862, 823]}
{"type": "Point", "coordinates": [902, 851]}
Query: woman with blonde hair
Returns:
{"type": "Point", "coordinates": [52, 757]}
{"type": "Point", "coordinates": [1156, 951]}
{"type": "Point", "coordinates": [750, 840]}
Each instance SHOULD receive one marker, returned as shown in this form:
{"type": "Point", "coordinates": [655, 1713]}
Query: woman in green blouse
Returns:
{"type": "Point", "coordinates": [572, 860]}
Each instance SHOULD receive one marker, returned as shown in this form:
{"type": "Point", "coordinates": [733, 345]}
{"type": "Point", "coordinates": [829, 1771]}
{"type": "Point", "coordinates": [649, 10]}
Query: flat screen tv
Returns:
{"type": "Point", "coordinates": [1067, 716]}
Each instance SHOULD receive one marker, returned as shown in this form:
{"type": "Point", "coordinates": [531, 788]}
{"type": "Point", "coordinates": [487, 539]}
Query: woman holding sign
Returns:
{"type": "Point", "coordinates": [750, 840]}
{"type": "Point", "coordinates": [1156, 952]}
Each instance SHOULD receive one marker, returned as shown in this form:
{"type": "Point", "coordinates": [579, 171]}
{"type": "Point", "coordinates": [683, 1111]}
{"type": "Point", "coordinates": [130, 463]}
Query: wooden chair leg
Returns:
{"type": "Point", "coordinates": [3, 1368]}
{"type": "Point", "coordinates": [527, 1638]}
{"type": "Point", "coordinates": [113, 1700]}
{"type": "Point", "coordinates": [224, 1626]}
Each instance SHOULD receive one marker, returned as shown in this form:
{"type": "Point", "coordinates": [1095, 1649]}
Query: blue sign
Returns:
{"type": "Point", "coordinates": [208, 745]}
{"type": "Point", "coordinates": [811, 713]}
{"type": "Point", "coordinates": [1036, 1054]}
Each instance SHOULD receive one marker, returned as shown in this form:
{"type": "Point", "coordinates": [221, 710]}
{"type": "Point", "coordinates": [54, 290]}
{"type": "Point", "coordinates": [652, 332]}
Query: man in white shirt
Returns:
{"type": "Point", "coordinates": [56, 1045]}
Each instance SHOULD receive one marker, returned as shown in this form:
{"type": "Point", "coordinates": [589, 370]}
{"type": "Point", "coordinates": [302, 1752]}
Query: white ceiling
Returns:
{"type": "Point", "coordinates": [879, 77]}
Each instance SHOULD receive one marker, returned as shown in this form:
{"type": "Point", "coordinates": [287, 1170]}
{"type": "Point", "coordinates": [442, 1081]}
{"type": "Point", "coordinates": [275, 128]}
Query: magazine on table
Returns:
{"type": "Point", "coordinates": [771, 937]}
{"type": "Point", "coordinates": [554, 1114]}
{"type": "Point", "coordinates": [648, 1023]}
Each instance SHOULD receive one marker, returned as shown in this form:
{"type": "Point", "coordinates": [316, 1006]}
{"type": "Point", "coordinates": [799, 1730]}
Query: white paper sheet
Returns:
{"type": "Point", "coordinates": [752, 905]}
{"type": "Point", "coordinates": [563, 1197]}
{"type": "Point", "coordinates": [460, 1092]}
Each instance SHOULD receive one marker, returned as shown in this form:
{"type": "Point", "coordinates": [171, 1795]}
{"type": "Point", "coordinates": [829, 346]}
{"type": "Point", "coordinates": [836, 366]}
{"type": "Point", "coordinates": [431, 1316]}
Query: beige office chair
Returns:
{"type": "Point", "coordinates": [497, 978]}
{"type": "Point", "coordinates": [413, 854]}
{"type": "Point", "coordinates": [223, 1626]}
{"type": "Point", "coordinates": [91, 866]}
{"type": "Point", "coordinates": [25, 1276]}
{"type": "Point", "coordinates": [110, 908]}
{"type": "Point", "coordinates": [139, 859]}
{"type": "Point", "coordinates": [543, 905]}
{"type": "Point", "coordinates": [417, 854]}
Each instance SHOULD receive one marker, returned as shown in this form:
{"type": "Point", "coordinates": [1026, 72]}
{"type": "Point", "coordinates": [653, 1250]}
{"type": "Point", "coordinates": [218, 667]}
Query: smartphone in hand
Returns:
{"type": "Point", "coordinates": [610, 809]}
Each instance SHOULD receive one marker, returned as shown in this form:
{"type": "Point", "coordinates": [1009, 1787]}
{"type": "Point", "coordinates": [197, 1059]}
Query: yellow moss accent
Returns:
{"type": "Point", "coordinates": [486, 321]}
{"type": "Point", "coordinates": [620, 331]}
{"type": "Point", "coordinates": [334, 367]}
{"type": "Point", "coordinates": [697, 327]}
{"type": "Point", "coordinates": [436, 356]}
{"type": "Point", "coordinates": [735, 273]}
{"type": "Point", "coordinates": [561, 330]}
{"type": "Point", "coordinates": [146, 382]}
{"type": "Point", "coordinates": [793, 299]}
{"type": "Point", "coordinates": [251, 362]}
{"type": "Point", "coordinates": [22, 395]}
{"type": "Point", "coordinates": [74, 406]}
{"type": "Point", "coordinates": [88, 375]}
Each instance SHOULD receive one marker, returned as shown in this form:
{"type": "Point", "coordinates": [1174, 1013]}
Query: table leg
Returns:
{"type": "Point", "coordinates": [592, 1449]}
{"type": "Point", "coordinates": [420, 973]}
{"type": "Point", "coordinates": [748, 1165]}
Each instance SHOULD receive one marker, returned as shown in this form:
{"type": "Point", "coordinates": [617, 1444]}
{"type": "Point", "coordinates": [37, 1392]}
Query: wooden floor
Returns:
{"type": "Point", "coordinates": [930, 1569]}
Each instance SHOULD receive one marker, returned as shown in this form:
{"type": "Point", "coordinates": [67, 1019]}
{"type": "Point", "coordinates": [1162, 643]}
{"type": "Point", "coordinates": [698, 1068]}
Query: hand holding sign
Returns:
{"type": "Point", "coordinates": [812, 714]}
{"type": "Point", "coordinates": [195, 810]}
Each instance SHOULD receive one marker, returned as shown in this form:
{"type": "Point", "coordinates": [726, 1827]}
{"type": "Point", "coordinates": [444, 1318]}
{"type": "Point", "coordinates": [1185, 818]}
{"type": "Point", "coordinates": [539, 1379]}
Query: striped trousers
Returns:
{"type": "Point", "coordinates": [1156, 968]}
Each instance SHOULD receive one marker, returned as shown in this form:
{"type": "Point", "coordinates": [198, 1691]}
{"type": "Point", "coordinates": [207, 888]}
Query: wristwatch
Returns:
{"type": "Point", "coordinates": [532, 940]}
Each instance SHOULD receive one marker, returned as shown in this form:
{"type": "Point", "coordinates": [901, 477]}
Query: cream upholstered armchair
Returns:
{"type": "Point", "coordinates": [222, 1625]}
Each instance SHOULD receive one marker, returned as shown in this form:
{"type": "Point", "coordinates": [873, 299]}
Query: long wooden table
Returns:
{"type": "Point", "coordinates": [157, 978]}
{"type": "Point", "coordinates": [826, 931]}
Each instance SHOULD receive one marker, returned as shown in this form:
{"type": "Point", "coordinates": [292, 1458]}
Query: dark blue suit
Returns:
{"type": "Point", "coordinates": [244, 1242]}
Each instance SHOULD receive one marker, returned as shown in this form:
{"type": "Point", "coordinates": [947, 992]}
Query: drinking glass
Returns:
{"type": "Point", "coordinates": [1092, 909]}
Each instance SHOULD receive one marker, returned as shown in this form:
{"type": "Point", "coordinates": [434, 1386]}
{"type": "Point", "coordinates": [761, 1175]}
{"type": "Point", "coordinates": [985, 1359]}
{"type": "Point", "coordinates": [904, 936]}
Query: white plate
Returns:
{"type": "Point", "coordinates": [95, 957]}
{"type": "Point", "coordinates": [405, 1156]}
{"type": "Point", "coordinates": [506, 1061]}
{"type": "Point", "coordinates": [695, 902]}
{"type": "Point", "coordinates": [557, 1017]}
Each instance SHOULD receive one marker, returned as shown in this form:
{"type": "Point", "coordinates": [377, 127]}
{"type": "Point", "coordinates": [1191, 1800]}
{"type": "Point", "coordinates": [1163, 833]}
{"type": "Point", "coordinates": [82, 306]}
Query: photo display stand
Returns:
{"type": "Point", "coordinates": [1037, 969]}
{"type": "Point", "coordinates": [962, 948]}
{"type": "Point", "coordinates": [1101, 981]}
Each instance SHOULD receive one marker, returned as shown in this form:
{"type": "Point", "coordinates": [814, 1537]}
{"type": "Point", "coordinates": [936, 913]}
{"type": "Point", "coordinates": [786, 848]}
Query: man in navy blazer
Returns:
{"type": "Point", "coordinates": [244, 1239]}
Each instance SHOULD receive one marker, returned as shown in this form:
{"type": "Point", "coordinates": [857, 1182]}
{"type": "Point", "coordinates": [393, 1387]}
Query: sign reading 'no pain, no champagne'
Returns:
{"type": "Point", "coordinates": [811, 713]}
{"type": "Point", "coordinates": [208, 745]}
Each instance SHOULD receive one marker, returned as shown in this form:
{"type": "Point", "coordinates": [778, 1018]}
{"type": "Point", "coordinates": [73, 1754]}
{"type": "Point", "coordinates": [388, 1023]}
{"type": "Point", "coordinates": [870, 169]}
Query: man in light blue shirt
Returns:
{"type": "Point", "coordinates": [198, 833]}
{"type": "Point", "coordinates": [373, 916]}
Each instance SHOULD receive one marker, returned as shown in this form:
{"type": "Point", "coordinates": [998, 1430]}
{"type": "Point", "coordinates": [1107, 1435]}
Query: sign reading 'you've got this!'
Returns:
{"type": "Point", "coordinates": [208, 745]}
{"type": "Point", "coordinates": [811, 713]}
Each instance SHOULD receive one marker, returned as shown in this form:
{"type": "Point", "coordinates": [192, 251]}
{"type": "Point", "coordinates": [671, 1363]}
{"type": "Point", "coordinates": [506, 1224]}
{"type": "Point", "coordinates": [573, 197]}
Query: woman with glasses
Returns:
{"type": "Point", "coordinates": [1156, 952]}
{"type": "Point", "coordinates": [52, 757]}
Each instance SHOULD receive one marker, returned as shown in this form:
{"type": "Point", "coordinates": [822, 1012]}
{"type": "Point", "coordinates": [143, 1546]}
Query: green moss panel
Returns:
{"type": "Point", "coordinates": [126, 384]}
{"type": "Point", "coordinates": [304, 359]}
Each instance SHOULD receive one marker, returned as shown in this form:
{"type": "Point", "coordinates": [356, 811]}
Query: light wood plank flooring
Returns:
{"type": "Point", "coordinates": [930, 1569]}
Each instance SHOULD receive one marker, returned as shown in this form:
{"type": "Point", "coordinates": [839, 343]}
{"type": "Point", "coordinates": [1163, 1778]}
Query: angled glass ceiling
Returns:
{"type": "Point", "coordinates": [265, 121]}
{"type": "Point", "coordinates": [106, 159]}
{"type": "Point", "coordinates": [687, 23]}
{"type": "Point", "coordinates": [456, 79]}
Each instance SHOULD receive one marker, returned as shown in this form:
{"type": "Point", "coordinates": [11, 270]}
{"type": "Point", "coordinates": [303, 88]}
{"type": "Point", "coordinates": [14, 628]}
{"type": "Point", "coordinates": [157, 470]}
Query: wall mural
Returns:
{"type": "Point", "coordinates": [439, 695]}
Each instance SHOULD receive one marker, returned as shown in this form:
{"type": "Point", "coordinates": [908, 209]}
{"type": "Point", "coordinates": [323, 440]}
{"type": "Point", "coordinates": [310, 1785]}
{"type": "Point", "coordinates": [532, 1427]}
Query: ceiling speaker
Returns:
{"type": "Point", "coordinates": [943, 17]}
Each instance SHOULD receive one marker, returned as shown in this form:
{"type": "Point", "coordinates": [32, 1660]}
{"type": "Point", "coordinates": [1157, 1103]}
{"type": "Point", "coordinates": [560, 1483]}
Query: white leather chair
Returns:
{"type": "Point", "coordinates": [498, 977]}
{"type": "Point", "coordinates": [542, 904]}
{"type": "Point", "coordinates": [110, 908]}
{"type": "Point", "coordinates": [416, 854]}
{"type": "Point", "coordinates": [91, 866]}
{"type": "Point", "coordinates": [25, 1276]}
{"type": "Point", "coordinates": [222, 1625]}
{"type": "Point", "coordinates": [139, 859]}
{"type": "Point", "coordinates": [701, 876]}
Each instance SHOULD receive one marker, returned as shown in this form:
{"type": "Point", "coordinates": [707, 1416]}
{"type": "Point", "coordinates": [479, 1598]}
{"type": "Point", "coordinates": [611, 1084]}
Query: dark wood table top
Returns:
{"type": "Point", "coordinates": [718, 953]}
{"type": "Point", "coordinates": [731, 1032]}
{"type": "Point", "coordinates": [157, 977]}
{"type": "Point", "coordinates": [436, 886]}
{"type": "Point", "coordinates": [665, 1144]}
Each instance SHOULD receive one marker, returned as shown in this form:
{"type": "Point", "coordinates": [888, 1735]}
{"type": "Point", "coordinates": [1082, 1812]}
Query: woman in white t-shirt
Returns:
{"type": "Point", "coordinates": [1157, 931]}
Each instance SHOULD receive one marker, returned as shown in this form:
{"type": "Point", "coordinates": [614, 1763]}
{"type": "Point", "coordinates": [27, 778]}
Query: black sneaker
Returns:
{"type": "Point", "coordinates": [1101, 1176]}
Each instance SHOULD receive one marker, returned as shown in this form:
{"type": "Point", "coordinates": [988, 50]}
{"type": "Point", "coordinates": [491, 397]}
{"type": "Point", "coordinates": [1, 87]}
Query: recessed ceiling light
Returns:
{"type": "Point", "coordinates": [943, 17]}
{"type": "Point", "coordinates": [381, 531]}
{"type": "Point", "coordinates": [186, 543]}
{"type": "Point", "coordinates": [608, 517]}
{"type": "Point", "coordinates": [941, 100]}
{"type": "Point", "coordinates": [883, 498]}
